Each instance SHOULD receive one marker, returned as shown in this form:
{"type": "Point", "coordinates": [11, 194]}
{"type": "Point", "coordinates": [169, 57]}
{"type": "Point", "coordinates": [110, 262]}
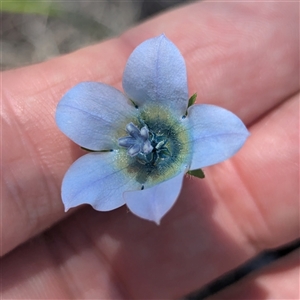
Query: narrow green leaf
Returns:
{"type": "Point", "coordinates": [197, 173]}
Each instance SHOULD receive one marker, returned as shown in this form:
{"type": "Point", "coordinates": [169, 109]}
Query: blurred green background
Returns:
{"type": "Point", "coordinates": [34, 31]}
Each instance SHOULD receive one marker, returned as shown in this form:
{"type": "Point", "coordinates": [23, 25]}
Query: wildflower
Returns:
{"type": "Point", "coordinates": [145, 141]}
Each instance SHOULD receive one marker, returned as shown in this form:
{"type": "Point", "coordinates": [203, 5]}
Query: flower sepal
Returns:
{"type": "Point", "coordinates": [89, 150]}
{"type": "Point", "coordinates": [192, 100]}
{"type": "Point", "coordinates": [197, 173]}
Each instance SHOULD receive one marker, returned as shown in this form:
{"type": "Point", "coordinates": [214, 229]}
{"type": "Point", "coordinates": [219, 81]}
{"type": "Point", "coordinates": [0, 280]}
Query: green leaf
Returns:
{"type": "Point", "coordinates": [197, 173]}
{"type": "Point", "coordinates": [192, 100]}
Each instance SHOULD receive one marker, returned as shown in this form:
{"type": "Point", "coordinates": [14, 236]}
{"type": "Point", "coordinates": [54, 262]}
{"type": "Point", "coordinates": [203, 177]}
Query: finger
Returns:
{"type": "Point", "coordinates": [280, 280]}
{"type": "Point", "coordinates": [37, 154]}
{"type": "Point", "coordinates": [236, 54]}
{"type": "Point", "coordinates": [242, 56]}
{"type": "Point", "coordinates": [258, 187]}
{"type": "Point", "coordinates": [214, 226]}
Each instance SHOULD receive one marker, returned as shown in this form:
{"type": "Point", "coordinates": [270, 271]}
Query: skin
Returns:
{"type": "Point", "coordinates": [241, 56]}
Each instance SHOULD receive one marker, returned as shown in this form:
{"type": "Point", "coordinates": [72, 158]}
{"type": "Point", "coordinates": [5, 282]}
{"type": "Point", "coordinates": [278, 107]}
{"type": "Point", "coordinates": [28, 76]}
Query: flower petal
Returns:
{"type": "Point", "coordinates": [153, 203]}
{"type": "Point", "coordinates": [92, 113]}
{"type": "Point", "coordinates": [217, 134]}
{"type": "Point", "coordinates": [156, 74]}
{"type": "Point", "coordinates": [96, 180]}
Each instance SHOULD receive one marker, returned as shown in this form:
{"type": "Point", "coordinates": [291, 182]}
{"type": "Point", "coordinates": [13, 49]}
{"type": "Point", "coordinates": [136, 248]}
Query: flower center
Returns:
{"type": "Point", "coordinates": [156, 146]}
{"type": "Point", "coordinates": [144, 144]}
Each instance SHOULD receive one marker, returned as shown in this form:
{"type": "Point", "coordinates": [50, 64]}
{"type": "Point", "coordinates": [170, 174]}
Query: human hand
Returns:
{"type": "Point", "coordinates": [241, 56]}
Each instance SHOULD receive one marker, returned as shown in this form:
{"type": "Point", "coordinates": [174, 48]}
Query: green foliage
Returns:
{"type": "Point", "coordinates": [53, 9]}
{"type": "Point", "coordinates": [30, 7]}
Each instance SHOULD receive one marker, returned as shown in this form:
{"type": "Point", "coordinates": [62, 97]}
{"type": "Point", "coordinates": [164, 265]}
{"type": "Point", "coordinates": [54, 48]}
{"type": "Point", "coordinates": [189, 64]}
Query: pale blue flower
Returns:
{"type": "Point", "coordinates": [146, 140]}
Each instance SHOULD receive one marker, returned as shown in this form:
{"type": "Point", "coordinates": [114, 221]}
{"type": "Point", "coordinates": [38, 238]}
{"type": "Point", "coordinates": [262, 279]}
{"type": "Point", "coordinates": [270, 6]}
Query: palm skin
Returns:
{"type": "Point", "coordinates": [241, 56]}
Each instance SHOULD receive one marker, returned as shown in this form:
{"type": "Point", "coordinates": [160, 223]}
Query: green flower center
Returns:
{"type": "Point", "coordinates": [157, 147]}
